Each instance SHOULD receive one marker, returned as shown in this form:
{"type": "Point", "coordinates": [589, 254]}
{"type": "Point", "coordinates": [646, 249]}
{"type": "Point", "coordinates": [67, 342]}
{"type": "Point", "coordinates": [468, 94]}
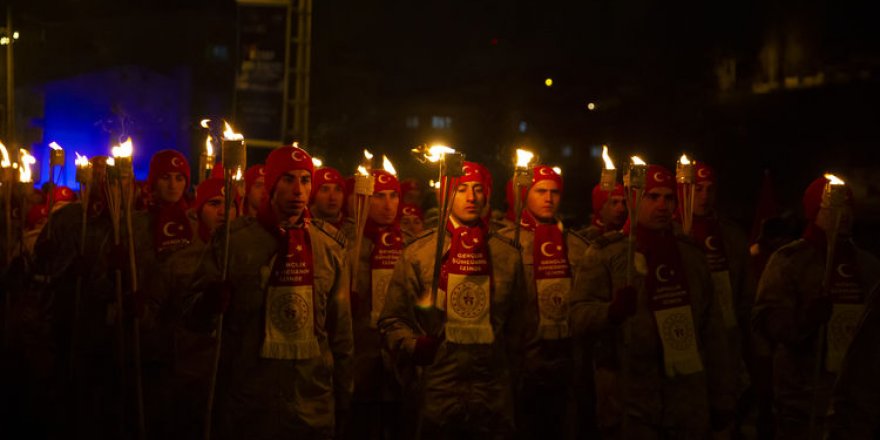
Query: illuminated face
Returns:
{"type": "Point", "coordinates": [542, 200]}
{"type": "Point", "coordinates": [469, 202]}
{"type": "Point", "coordinates": [292, 194]}
{"type": "Point", "coordinates": [328, 201]}
{"type": "Point", "coordinates": [655, 211]}
{"type": "Point", "coordinates": [412, 224]}
{"type": "Point", "coordinates": [258, 189]}
{"type": "Point", "coordinates": [613, 213]}
{"type": "Point", "coordinates": [212, 214]}
{"type": "Point", "coordinates": [704, 198]}
{"type": "Point", "coordinates": [169, 187]}
{"type": "Point", "coordinates": [383, 206]}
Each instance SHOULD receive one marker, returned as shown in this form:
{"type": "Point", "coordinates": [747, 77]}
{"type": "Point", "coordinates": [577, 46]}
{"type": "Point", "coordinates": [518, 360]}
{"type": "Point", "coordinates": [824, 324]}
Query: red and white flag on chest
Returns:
{"type": "Point", "coordinates": [466, 286]}
{"type": "Point", "coordinates": [387, 248]}
{"type": "Point", "coordinates": [552, 276]}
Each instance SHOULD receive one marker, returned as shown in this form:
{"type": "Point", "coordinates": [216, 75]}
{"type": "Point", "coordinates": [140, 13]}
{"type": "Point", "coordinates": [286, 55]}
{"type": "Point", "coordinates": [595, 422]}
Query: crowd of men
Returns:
{"type": "Point", "coordinates": [282, 315]}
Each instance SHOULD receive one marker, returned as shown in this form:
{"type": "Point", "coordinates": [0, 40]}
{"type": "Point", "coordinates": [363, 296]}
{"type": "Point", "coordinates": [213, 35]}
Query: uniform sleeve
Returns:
{"type": "Point", "coordinates": [397, 323]}
{"type": "Point", "coordinates": [591, 294]}
{"type": "Point", "coordinates": [775, 302]}
{"type": "Point", "coordinates": [720, 367]}
{"type": "Point", "coordinates": [855, 403]}
{"type": "Point", "coordinates": [340, 334]}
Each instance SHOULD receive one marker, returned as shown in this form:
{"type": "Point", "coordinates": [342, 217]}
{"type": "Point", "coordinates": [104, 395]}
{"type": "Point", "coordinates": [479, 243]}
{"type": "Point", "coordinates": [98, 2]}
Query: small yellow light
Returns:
{"type": "Point", "coordinates": [81, 161]}
{"type": "Point", "coordinates": [834, 180]}
{"type": "Point", "coordinates": [684, 160]}
{"type": "Point", "coordinates": [317, 162]}
{"type": "Point", "coordinates": [523, 157]}
{"type": "Point", "coordinates": [591, 106]}
{"type": "Point", "coordinates": [548, 82]}
{"type": "Point", "coordinates": [557, 170]}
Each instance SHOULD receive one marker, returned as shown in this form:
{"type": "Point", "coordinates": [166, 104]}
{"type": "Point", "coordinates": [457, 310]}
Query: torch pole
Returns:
{"type": "Point", "coordinates": [113, 189]}
{"type": "Point", "coordinates": [833, 199]}
{"type": "Point", "coordinates": [234, 157]}
{"type": "Point", "coordinates": [451, 165]}
{"type": "Point", "coordinates": [84, 177]}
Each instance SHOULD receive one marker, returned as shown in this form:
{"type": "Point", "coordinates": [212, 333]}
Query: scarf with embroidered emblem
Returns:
{"type": "Point", "coordinates": [466, 285]}
{"type": "Point", "coordinates": [706, 231]}
{"type": "Point", "coordinates": [552, 273]}
{"type": "Point", "coordinates": [172, 230]}
{"type": "Point", "coordinates": [387, 249]}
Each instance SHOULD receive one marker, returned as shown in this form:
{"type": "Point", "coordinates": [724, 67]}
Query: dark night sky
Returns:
{"type": "Point", "coordinates": [649, 65]}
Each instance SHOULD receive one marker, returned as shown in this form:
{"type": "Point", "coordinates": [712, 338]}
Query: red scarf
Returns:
{"type": "Point", "coordinates": [665, 283]}
{"type": "Point", "coordinates": [845, 284]}
{"type": "Point", "coordinates": [172, 227]}
{"type": "Point", "coordinates": [387, 244]}
{"type": "Point", "coordinates": [468, 253]}
{"type": "Point", "coordinates": [707, 232]}
{"type": "Point", "coordinates": [549, 250]}
{"type": "Point", "coordinates": [295, 266]}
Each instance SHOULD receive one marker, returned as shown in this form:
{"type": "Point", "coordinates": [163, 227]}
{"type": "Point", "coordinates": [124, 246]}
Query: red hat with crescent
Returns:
{"type": "Point", "coordinates": [600, 196]}
{"type": "Point", "coordinates": [659, 177]}
{"type": "Point", "coordinates": [167, 161]}
{"type": "Point", "coordinates": [703, 173]}
{"type": "Point", "coordinates": [284, 160]}
{"type": "Point", "coordinates": [385, 181]}
{"type": "Point", "coordinates": [326, 176]}
{"type": "Point", "coordinates": [543, 172]}
{"type": "Point", "coordinates": [63, 194]}
{"type": "Point", "coordinates": [251, 175]}
{"type": "Point", "coordinates": [207, 190]}
{"type": "Point", "coordinates": [35, 215]}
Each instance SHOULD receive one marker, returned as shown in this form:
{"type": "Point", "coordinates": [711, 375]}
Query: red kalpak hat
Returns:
{"type": "Point", "coordinates": [251, 175]}
{"type": "Point", "coordinates": [283, 160]}
{"type": "Point", "coordinates": [600, 196]}
{"type": "Point", "coordinates": [167, 161]}
{"type": "Point", "coordinates": [703, 173]}
{"type": "Point", "coordinates": [385, 181]}
{"type": "Point", "coordinates": [659, 177]}
{"type": "Point", "coordinates": [326, 176]}
{"type": "Point", "coordinates": [813, 197]}
{"type": "Point", "coordinates": [543, 172]}
{"type": "Point", "coordinates": [207, 190]}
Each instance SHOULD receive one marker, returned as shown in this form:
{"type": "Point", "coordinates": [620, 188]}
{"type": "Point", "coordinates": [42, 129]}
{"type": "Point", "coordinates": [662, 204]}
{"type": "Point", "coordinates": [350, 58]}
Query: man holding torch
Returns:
{"type": "Point", "coordinates": [810, 304]}
{"type": "Point", "coordinates": [609, 211]}
{"type": "Point", "coordinates": [328, 197]}
{"type": "Point", "coordinates": [467, 338]}
{"type": "Point", "coordinates": [286, 359]}
{"type": "Point", "coordinates": [660, 323]}
{"type": "Point", "coordinates": [550, 253]}
{"type": "Point", "coordinates": [254, 189]}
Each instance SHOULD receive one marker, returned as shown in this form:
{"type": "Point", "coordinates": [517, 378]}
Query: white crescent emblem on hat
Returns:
{"type": "Point", "coordinates": [297, 156]}
{"type": "Point", "coordinates": [659, 273]}
{"type": "Point", "coordinates": [383, 178]}
{"type": "Point", "coordinates": [165, 229]}
{"type": "Point", "coordinates": [328, 175]}
{"type": "Point", "coordinates": [65, 192]}
{"type": "Point", "coordinates": [659, 177]}
{"type": "Point", "coordinates": [544, 249]}
{"type": "Point", "coordinates": [545, 172]}
{"type": "Point", "coordinates": [467, 170]}
{"type": "Point", "coordinates": [262, 171]}
{"type": "Point", "coordinates": [408, 210]}
{"type": "Point", "coordinates": [175, 162]}
{"type": "Point", "coordinates": [222, 191]}
{"type": "Point", "coordinates": [841, 270]}
{"type": "Point", "coordinates": [703, 172]}
{"type": "Point", "coordinates": [709, 244]}
{"type": "Point", "coordinates": [383, 239]}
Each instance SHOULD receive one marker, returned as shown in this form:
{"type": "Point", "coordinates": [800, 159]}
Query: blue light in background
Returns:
{"type": "Point", "coordinates": [85, 114]}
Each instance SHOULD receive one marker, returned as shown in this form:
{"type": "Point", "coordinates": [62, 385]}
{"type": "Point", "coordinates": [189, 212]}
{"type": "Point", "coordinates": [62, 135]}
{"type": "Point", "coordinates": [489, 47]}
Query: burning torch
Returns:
{"type": "Point", "coordinates": [363, 188]}
{"type": "Point", "coordinates": [7, 181]}
{"type": "Point", "coordinates": [634, 182]}
{"type": "Point", "coordinates": [56, 159]}
{"type": "Point", "coordinates": [521, 179]}
{"type": "Point", "coordinates": [206, 158]}
{"type": "Point", "coordinates": [684, 175]}
{"type": "Point", "coordinates": [84, 178]}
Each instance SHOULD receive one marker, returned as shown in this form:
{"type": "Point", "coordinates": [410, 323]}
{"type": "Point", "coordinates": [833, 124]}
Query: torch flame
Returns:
{"type": "Point", "coordinates": [557, 170]}
{"type": "Point", "coordinates": [523, 157]}
{"type": "Point", "coordinates": [4, 161]}
{"type": "Point", "coordinates": [25, 175]}
{"type": "Point", "coordinates": [362, 171]}
{"type": "Point", "coordinates": [81, 161]}
{"type": "Point", "coordinates": [238, 176]}
{"type": "Point", "coordinates": [204, 123]}
{"type": "Point", "coordinates": [230, 135]}
{"type": "Point", "coordinates": [209, 147]}
{"type": "Point", "coordinates": [684, 160]}
{"type": "Point", "coordinates": [609, 164]}
{"type": "Point", "coordinates": [388, 165]}
{"type": "Point", "coordinates": [111, 162]}
{"type": "Point", "coordinates": [368, 155]}
{"type": "Point", "coordinates": [435, 185]}
{"type": "Point", "coordinates": [126, 149]}
{"type": "Point", "coordinates": [54, 145]}
{"type": "Point", "coordinates": [834, 180]}
{"type": "Point", "coordinates": [436, 152]}
{"type": "Point", "coordinates": [636, 160]}
{"type": "Point", "coordinates": [317, 162]}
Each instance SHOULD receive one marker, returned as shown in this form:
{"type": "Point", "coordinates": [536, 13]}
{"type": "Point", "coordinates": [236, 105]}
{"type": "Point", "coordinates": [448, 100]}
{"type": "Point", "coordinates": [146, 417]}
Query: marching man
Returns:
{"type": "Point", "coordinates": [549, 252]}
{"type": "Point", "coordinates": [328, 196]}
{"type": "Point", "coordinates": [663, 332]}
{"type": "Point", "coordinates": [466, 338]}
{"type": "Point", "coordinates": [792, 307]}
{"type": "Point", "coordinates": [254, 189]}
{"type": "Point", "coordinates": [286, 359]}
{"type": "Point", "coordinates": [609, 212]}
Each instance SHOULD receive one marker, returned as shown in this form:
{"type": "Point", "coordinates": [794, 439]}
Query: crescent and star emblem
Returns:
{"type": "Point", "coordinates": [262, 171]}
{"type": "Point", "coordinates": [703, 172]}
{"type": "Point", "coordinates": [328, 176]}
{"type": "Point", "coordinates": [842, 270]}
{"type": "Point", "coordinates": [297, 156]}
{"type": "Point", "coordinates": [165, 229]}
{"type": "Point", "coordinates": [383, 178]}
{"type": "Point", "coordinates": [408, 211]}
{"type": "Point", "coordinates": [545, 172]}
{"type": "Point", "coordinates": [659, 273]}
{"type": "Point", "coordinates": [709, 244]}
{"type": "Point", "coordinates": [384, 240]}
{"type": "Point", "coordinates": [175, 162]}
{"type": "Point", "coordinates": [464, 243]}
{"type": "Point", "coordinates": [659, 177]}
{"type": "Point", "coordinates": [544, 249]}
{"type": "Point", "coordinates": [467, 170]}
